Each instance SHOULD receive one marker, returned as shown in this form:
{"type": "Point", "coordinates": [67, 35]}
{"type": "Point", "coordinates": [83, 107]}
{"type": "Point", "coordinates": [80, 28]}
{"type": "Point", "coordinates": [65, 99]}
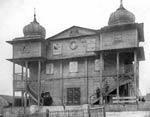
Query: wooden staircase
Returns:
{"type": "Point", "coordinates": [32, 94]}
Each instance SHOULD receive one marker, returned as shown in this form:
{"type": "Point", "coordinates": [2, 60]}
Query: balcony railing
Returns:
{"type": "Point", "coordinates": [126, 69]}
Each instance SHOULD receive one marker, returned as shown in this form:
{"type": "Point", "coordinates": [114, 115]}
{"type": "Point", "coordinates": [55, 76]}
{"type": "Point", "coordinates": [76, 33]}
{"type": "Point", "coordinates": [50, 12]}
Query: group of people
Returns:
{"type": "Point", "coordinates": [46, 99]}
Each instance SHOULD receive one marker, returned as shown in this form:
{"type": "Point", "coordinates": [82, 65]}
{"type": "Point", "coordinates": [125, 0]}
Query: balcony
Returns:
{"type": "Point", "coordinates": [126, 69]}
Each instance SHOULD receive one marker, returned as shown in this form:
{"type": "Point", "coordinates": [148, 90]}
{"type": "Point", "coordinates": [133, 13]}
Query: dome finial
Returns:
{"type": "Point", "coordinates": [121, 3]}
{"type": "Point", "coordinates": [35, 15]}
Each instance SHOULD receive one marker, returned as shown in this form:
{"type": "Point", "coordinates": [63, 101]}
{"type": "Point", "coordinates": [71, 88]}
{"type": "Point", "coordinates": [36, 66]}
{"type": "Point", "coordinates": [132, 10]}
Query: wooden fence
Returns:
{"type": "Point", "coordinates": [91, 112]}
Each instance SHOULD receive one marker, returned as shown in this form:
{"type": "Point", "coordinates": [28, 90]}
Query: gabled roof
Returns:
{"type": "Point", "coordinates": [73, 31]}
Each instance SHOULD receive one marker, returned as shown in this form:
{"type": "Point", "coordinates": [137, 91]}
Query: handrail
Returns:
{"type": "Point", "coordinates": [32, 93]}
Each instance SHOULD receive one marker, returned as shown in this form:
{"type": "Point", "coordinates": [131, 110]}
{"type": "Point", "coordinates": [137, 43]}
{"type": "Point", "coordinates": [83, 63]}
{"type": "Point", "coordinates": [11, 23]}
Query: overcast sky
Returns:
{"type": "Point", "coordinates": [58, 15]}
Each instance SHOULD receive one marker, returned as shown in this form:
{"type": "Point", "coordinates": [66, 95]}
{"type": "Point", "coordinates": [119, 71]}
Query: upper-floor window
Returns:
{"type": "Point", "coordinates": [50, 68]}
{"type": "Point", "coordinates": [97, 65]}
{"type": "Point", "coordinates": [117, 36]}
{"type": "Point", "coordinates": [90, 45]}
{"type": "Point", "coordinates": [73, 66]}
{"type": "Point", "coordinates": [57, 48]}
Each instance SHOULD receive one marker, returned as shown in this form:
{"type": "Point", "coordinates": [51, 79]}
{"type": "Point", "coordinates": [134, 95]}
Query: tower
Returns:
{"type": "Point", "coordinates": [121, 39]}
{"type": "Point", "coordinates": [28, 51]}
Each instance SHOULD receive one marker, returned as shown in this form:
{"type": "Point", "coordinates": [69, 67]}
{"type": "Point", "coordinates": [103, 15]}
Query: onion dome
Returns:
{"type": "Point", "coordinates": [121, 16]}
{"type": "Point", "coordinates": [34, 29]}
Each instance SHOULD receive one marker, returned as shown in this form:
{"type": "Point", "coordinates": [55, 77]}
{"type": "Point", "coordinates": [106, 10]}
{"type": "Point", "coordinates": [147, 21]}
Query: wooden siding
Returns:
{"type": "Point", "coordinates": [29, 49]}
{"type": "Point", "coordinates": [54, 82]}
{"type": "Point", "coordinates": [119, 39]}
{"type": "Point", "coordinates": [66, 51]}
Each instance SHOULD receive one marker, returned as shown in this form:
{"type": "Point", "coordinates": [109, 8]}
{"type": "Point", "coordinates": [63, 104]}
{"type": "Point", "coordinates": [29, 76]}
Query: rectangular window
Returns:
{"type": "Point", "coordinates": [73, 96]}
{"type": "Point", "coordinates": [97, 64]}
{"type": "Point", "coordinates": [90, 45]}
{"type": "Point", "coordinates": [50, 68]}
{"type": "Point", "coordinates": [73, 66]}
{"type": "Point", "coordinates": [57, 47]}
{"type": "Point", "coordinates": [117, 36]}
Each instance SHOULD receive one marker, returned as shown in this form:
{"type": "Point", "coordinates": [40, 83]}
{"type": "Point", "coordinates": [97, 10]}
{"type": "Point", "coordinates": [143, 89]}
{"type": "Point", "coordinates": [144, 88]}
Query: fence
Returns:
{"type": "Point", "coordinates": [91, 112]}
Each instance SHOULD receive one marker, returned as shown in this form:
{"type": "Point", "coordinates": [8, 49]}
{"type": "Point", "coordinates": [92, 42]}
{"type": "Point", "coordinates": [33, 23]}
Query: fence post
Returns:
{"type": "Point", "coordinates": [47, 113]}
{"type": "Point", "coordinates": [89, 114]}
{"type": "Point", "coordinates": [104, 113]}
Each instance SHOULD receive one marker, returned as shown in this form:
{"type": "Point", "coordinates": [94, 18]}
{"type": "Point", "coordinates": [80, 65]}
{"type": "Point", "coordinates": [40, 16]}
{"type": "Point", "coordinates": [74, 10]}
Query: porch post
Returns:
{"type": "Point", "coordinates": [39, 81]}
{"type": "Point", "coordinates": [135, 72]}
{"type": "Point", "coordinates": [26, 76]}
{"type": "Point", "coordinates": [13, 84]}
{"type": "Point", "coordinates": [62, 87]}
{"type": "Point", "coordinates": [86, 74]}
{"type": "Point", "coordinates": [101, 76]}
{"type": "Point", "coordinates": [22, 100]}
{"type": "Point", "coordinates": [117, 74]}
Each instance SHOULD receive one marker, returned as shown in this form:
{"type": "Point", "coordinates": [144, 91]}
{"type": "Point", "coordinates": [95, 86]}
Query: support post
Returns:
{"type": "Point", "coordinates": [13, 84]}
{"type": "Point", "coordinates": [22, 100]}
{"type": "Point", "coordinates": [137, 83]}
{"type": "Point", "coordinates": [86, 75]}
{"type": "Point", "coordinates": [39, 81]}
{"type": "Point", "coordinates": [117, 74]}
{"type": "Point", "coordinates": [135, 72]}
{"type": "Point", "coordinates": [62, 87]}
{"type": "Point", "coordinates": [101, 77]}
{"type": "Point", "coordinates": [26, 76]}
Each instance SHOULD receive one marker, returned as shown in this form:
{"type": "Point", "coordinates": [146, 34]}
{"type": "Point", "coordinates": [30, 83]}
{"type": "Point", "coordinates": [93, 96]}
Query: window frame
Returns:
{"type": "Point", "coordinates": [73, 71]}
{"type": "Point", "coordinates": [76, 99]}
{"type": "Point", "coordinates": [49, 66]}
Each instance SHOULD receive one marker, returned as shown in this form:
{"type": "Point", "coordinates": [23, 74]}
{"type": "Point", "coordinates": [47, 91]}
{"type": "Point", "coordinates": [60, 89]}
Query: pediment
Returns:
{"type": "Point", "coordinates": [73, 31]}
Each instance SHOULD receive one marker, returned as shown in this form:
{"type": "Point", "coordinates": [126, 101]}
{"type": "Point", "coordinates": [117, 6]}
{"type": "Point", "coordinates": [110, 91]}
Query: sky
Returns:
{"type": "Point", "coordinates": [58, 15]}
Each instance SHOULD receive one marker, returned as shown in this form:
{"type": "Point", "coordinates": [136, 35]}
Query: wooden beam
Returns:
{"type": "Point", "coordinates": [26, 76]}
{"type": "Point", "coordinates": [39, 81]}
{"type": "Point", "coordinates": [86, 75]}
{"type": "Point", "coordinates": [124, 98]}
{"type": "Point", "coordinates": [22, 100]}
{"type": "Point", "coordinates": [101, 76]}
{"type": "Point", "coordinates": [137, 83]}
{"type": "Point", "coordinates": [117, 67]}
{"type": "Point", "coordinates": [62, 83]}
{"type": "Point", "coordinates": [13, 84]}
{"type": "Point", "coordinates": [135, 72]}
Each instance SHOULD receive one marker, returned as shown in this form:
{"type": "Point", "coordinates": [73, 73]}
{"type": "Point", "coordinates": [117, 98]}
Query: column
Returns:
{"type": "Point", "coordinates": [26, 77]}
{"type": "Point", "coordinates": [137, 83]}
{"type": "Point", "coordinates": [101, 76]}
{"type": "Point", "coordinates": [62, 83]}
{"type": "Point", "coordinates": [39, 81]}
{"type": "Point", "coordinates": [87, 80]}
{"type": "Point", "coordinates": [117, 67]}
{"type": "Point", "coordinates": [13, 83]}
{"type": "Point", "coordinates": [25, 97]}
{"type": "Point", "coordinates": [22, 100]}
{"type": "Point", "coordinates": [135, 72]}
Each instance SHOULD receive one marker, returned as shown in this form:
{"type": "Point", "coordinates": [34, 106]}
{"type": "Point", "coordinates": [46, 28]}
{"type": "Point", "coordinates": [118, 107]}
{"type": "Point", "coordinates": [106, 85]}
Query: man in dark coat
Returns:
{"type": "Point", "coordinates": [48, 101]}
{"type": "Point", "coordinates": [97, 96]}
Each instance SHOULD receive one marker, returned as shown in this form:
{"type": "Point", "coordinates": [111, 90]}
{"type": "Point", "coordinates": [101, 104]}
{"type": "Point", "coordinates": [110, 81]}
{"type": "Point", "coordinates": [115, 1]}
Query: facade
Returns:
{"type": "Point", "coordinates": [72, 64]}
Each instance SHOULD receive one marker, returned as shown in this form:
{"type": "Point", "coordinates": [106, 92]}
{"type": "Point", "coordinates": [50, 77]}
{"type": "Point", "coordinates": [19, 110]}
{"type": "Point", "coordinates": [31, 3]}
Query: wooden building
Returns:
{"type": "Point", "coordinates": [72, 64]}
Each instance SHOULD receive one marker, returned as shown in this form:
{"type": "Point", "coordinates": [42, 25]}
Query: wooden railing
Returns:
{"type": "Point", "coordinates": [126, 69]}
{"type": "Point", "coordinates": [90, 112]}
{"type": "Point", "coordinates": [122, 100]}
{"type": "Point", "coordinates": [94, 99]}
{"type": "Point", "coordinates": [32, 93]}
